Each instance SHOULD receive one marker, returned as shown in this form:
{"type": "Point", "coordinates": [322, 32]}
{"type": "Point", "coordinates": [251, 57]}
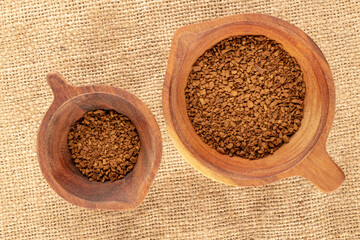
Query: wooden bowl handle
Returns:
{"type": "Point", "coordinates": [61, 89]}
{"type": "Point", "coordinates": [320, 169]}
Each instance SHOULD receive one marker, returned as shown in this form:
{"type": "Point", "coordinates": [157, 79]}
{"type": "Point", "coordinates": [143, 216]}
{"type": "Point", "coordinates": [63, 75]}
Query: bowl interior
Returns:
{"type": "Point", "coordinates": [300, 143]}
{"type": "Point", "coordinates": [64, 170]}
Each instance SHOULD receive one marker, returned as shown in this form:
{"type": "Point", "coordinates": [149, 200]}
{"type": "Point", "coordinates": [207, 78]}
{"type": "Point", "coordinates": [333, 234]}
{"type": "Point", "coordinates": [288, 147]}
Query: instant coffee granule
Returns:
{"type": "Point", "coordinates": [104, 145]}
{"type": "Point", "coordinates": [245, 96]}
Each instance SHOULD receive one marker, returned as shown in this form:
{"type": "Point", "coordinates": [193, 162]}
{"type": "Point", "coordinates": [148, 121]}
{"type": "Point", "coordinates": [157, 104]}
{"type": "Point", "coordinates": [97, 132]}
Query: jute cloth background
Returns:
{"type": "Point", "coordinates": [126, 44]}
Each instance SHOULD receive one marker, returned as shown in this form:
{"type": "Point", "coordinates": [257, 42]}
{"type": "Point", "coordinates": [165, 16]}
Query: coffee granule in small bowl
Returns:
{"type": "Point", "coordinates": [104, 145]}
{"type": "Point", "coordinates": [245, 96]}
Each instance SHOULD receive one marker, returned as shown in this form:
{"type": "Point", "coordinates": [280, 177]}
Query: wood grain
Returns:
{"type": "Point", "coordinates": [70, 104]}
{"type": "Point", "coordinates": [304, 155]}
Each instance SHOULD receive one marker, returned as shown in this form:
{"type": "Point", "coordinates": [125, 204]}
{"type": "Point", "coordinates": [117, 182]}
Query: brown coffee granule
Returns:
{"type": "Point", "coordinates": [245, 96]}
{"type": "Point", "coordinates": [104, 145]}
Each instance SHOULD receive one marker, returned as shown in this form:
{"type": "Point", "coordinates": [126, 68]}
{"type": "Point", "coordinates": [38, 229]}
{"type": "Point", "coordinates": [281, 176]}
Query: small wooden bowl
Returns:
{"type": "Point", "coordinates": [304, 155]}
{"type": "Point", "coordinates": [70, 104]}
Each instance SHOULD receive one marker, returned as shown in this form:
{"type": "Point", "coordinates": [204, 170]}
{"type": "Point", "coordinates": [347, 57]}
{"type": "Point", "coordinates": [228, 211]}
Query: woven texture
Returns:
{"type": "Point", "coordinates": [126, 44]}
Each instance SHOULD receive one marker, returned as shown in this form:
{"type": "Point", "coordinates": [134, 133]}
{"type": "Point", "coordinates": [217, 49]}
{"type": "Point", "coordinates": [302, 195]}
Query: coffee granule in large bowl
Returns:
{"type": "Point", "coordinates": [104, 145]}
{"type": "Point", "coordinates": [245, 96]}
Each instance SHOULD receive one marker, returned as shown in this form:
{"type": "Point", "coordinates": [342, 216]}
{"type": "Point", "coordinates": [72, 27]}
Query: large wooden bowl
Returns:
{"type": "Point", "coordinates": [70, 104]}
{"type": "Point", "coordinates": [304, 155]}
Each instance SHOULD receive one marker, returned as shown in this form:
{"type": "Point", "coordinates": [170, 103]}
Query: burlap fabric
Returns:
{"type": "Point", "coordinates": [126, 44]}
